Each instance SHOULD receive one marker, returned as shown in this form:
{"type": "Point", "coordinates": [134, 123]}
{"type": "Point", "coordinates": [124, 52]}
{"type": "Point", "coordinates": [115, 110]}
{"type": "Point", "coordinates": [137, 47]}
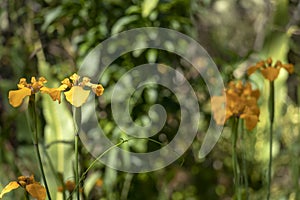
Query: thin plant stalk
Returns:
{"type": "Point", "coordinates": [36, 142]}
{"type": "Point", "coordinates": [244, 163]}
{"type": "Point", "coordinates": [58, 177]}
{"type": "Point", "coordinates": [236, 169]}
{"type": "Point", "coordinates": [93, 163]}
{"type": "Point", "coordinates": [26, 195]}
{"type": "Point", "coordinates": [296, 164]}
{"type": "Point", "coordinates": [77, 121]}
{"type": "Point", "coordinates": [271, 115]}
{"type": "Point", "coordinates": [77, 165]}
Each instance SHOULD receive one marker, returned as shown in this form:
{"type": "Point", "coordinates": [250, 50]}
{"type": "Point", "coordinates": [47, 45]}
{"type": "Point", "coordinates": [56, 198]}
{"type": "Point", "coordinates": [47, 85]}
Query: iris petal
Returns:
{"type": "Point", "coordinates": [16, 96]}
{"type": "Point", "coordinates": [77, 96]}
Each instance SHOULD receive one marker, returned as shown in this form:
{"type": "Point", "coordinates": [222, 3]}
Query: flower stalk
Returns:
{"type": "Point", "coordinates": [271, 113]}
{"type": "Point", "coordinates": [236, 168]}
{"type": "Point", "coordinates": [36, 142]}
{"type": "Point", "coordinates": [244, 164]}
{"type": "Point", "coordinates": [77, 121]}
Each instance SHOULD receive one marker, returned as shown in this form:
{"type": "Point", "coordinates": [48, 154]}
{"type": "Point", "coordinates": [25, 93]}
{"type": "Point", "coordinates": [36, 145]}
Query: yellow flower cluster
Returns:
{"type": "Point", "coordinates": [268, 70]}
{"type": "Point", "coordinates": [241, 102]}
{"type": "Point", "coordinates": [35, 189]}
{"type": "Point", "coordinates": [74, 90]}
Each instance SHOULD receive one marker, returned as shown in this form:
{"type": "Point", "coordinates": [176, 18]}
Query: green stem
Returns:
{"type": "Point", "coordinates": [272, 114]}
{"type": "Point", "coordinates": [236, 170]}
{"type": "Point", "coordinates": [245, 164]}
{"type": "Point", "coordinates": [58, 176]}
{"type": "Point", "coordinates": [26, 195]}
{"type": "Point", "coordinates": [36, 142]}
{"type": "Point", "coordinates": [76, 166]}
{"type": "Point", "coordinates": [93, 163]}
{"type": "Point", "coordinates": [296, 165]}
{"type": "Point", "coordinates": [77, 121]}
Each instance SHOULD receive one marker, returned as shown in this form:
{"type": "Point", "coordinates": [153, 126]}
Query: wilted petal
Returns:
{"type": "Point", "coordinates": [270, 73]}
{"type": "Point", "coordinates": [16, 96]}
{"type": "Point", "coordinates": [36, 190]}
{"type": "Point", "coordinates": [11, 186]}
{"type": "Point", "coordinates": [77, 96]}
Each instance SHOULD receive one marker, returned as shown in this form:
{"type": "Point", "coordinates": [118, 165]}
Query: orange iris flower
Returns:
{"type": "Point", "coordinates": [35, 189]}
{"type": "Point", "coordinates": [72, 88]}
{"type": "Point", "coordinates": [241, 102]}
{"type": "Point", "coordinates": [268, 70]}
{"type": "Point", "coordinates": [25, 89]}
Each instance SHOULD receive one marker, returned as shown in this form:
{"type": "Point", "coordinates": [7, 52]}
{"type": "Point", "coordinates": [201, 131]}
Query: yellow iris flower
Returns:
{"type": "Point", "coordinates": [241, 102]}
{"type": "Point", "coordinates": [25, 89]}
{"type": "Point", "coordinates": [72, 88]}
{"type": "Point", "coordinates": [35, 189]}
{"type": "Point", "coordinates": [77, 95]}
{"type": "Point", "coordinates": [268, 70]}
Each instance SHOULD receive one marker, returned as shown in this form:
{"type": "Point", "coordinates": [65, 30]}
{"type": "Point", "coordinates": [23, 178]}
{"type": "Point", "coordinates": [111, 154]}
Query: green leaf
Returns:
{"type": "Point", "coordinates": [51, 16]}
{"type": "Point", "coordinates": [122, 22]}
{"type": "Point", "coordinates": [148, 6]}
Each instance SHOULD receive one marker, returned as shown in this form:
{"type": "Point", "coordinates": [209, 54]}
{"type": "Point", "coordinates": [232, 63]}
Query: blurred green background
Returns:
{"type": "Point", "coordinates": [51, 38]}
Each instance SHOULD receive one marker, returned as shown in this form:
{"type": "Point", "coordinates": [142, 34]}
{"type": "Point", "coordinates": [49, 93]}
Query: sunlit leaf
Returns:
{"type": "Point", "coordinates": [122, 22]}
{"type": "Point", "coordinates": [51, 16]}
{"type": "Point", "coordinates": [148, 6]}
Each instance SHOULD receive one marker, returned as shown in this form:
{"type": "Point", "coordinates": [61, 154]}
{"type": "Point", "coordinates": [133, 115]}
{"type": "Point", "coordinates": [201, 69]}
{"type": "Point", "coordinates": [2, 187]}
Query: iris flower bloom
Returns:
{"type": "Point", "coordinates": [72, 88]}
{"type": "Point", "coordinates": [269, 71]}
{"type": "Point", "coordinates": [35, 189]}
{"type": "Point", "coordinates": [241, 102]}
{"type": "Point", "coordinates": [77, 95]}
{"type": "Point", "coordinates": [25, 89]}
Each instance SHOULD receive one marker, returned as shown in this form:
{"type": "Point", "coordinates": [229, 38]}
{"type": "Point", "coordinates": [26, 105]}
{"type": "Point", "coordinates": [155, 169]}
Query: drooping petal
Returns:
{"type": "Point", "coordinates": [251, 121]}
{"type": "Point", "coordinates": [252, 69]}
{"type": "Point", "coordinates": [289, 68]}
{"type": "Point", "coordinates": [77, 96]}
{"type": "Point", "coordinates": [36, 190]}
{"type": "Point", "coordinates": [270, 73]}
{"type": "Point", "coordinates": [11, 186]}
{"type": "Point", "coordinates": [16, 96]}
{"type": "Point", "coordinates": [55, 93]}
{"type": "Point", "coordinates": [98, 89]}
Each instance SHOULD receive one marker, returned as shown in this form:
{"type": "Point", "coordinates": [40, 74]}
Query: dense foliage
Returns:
{"type": "Point", "coordinates": [51, 38]}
